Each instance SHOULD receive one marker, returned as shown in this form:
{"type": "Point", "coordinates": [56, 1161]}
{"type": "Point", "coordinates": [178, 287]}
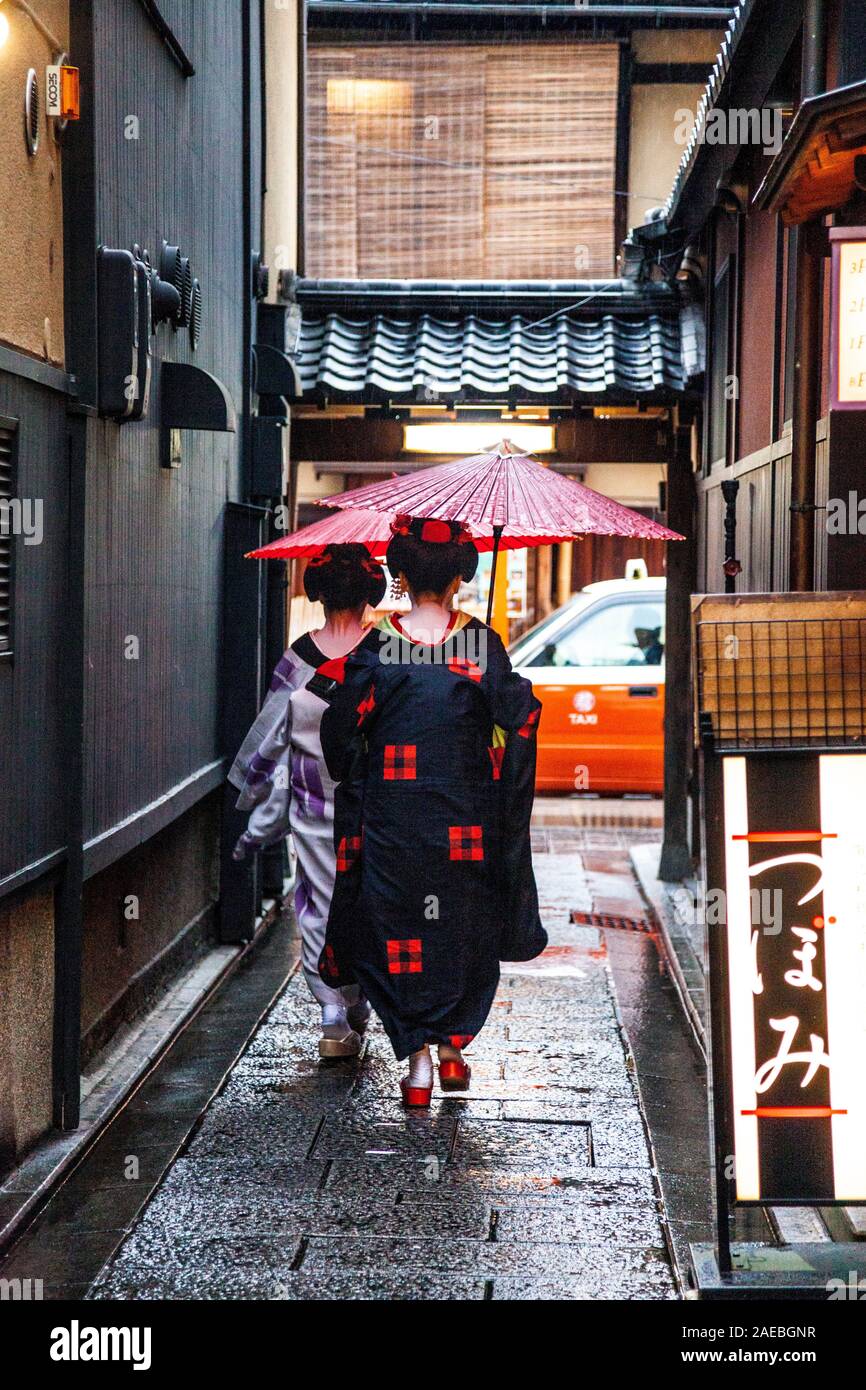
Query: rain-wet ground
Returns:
{"type": "Point", "coordinates": [305, 1181]}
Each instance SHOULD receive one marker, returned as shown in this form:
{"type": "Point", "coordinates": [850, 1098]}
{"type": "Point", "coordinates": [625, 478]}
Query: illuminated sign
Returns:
{"type": "Point", "coordinates": [792, 849]}
{"type": "Point", "coordinates": [848, 319]}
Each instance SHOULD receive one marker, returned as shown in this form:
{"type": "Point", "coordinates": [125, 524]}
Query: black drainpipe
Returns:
{"type": "Point", "coordinates": [79, 237]}
{"type": "Point", "coordinates": [807, 337]}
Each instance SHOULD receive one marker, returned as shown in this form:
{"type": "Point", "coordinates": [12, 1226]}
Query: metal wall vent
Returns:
{"type": "Point", "coordinates": [195, 315]}
{"type": "Point", "coordinates": [31, 112]}
{"type": "Point", "coordinates": [7, 540]}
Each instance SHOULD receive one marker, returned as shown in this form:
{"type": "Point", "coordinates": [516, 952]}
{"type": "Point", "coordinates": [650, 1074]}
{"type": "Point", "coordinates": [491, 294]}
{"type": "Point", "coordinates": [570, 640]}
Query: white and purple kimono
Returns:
{"type": "Point", "coordinates": [285, 785]}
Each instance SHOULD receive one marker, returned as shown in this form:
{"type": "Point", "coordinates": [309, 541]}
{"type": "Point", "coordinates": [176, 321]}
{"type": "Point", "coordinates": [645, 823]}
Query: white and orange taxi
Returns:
{"type": "Point", "coordinates": [597, 665]}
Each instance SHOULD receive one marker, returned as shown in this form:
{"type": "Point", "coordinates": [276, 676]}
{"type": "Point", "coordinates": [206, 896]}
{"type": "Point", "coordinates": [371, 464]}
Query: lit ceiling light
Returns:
{"type": "Point", "coordinates": [459, 439]}
{"type": "Point", "coordinates": [4, 28]}
{"type": "Point", "coordinates": [351, 96]}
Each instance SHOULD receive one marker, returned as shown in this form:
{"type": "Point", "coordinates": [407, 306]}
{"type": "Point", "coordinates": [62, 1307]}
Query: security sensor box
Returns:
{"type": "Point", "coordinates": [120, 341]}
{"type": "Point", "coordinates": [267, 457]}
{"type": "Point", "coordinates": [62, 92]}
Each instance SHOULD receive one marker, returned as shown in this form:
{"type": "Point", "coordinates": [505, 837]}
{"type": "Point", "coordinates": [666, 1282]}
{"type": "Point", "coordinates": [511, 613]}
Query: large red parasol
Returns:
{"type": "Point", "coordinates": [506, 491]}
{"type": "Point", "coordinates": [359, 526]}
{"type": "Point", "coordinates": [508, 496]}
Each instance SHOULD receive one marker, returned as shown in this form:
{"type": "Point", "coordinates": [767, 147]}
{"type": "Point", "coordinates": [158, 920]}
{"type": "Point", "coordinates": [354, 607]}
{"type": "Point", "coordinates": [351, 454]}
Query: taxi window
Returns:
{"type": "Point", "coordinates": [627, 633]}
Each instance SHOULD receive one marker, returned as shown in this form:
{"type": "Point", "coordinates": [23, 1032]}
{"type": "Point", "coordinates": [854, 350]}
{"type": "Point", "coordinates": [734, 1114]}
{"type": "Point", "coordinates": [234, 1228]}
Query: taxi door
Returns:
{"type": "Point", "coordinates": [600, 678]}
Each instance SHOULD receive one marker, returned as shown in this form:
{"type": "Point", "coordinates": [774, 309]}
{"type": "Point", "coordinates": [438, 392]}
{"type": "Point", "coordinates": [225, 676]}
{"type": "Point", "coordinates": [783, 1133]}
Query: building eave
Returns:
{"type": "Point", "coordinates": [813, 173]}
{"type": "Point", "coordinates": [739, 78]}
{"type": "Point", "coordinates": [535, 297]}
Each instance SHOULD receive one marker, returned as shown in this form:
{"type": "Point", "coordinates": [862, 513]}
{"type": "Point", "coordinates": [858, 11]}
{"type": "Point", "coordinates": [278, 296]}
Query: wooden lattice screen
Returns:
{"type": "Point", "coordinates": [467, 161]}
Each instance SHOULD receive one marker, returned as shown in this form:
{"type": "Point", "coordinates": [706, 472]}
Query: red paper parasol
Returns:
{"type": "Point", "coordinates": [504, 489]}
{"type": "Point", "coordinates": [508, 496]}
{"type": "Point", "coordinates": [372, 529]}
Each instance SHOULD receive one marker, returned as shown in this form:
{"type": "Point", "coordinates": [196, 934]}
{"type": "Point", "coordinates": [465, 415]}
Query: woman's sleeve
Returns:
{"type": "Point", "coordinates": [262, 769]}
{"type": "Point", "coordinates": [268, 821]}
{"type": "Point", "coordinates": [516, 711]}
{"type": "Point", "coordinates": [352, 694]}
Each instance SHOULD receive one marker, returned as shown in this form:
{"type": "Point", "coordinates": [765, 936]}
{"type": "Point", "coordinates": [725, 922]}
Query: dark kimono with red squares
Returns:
{"type": "Point", "coordinates": [435, 764]}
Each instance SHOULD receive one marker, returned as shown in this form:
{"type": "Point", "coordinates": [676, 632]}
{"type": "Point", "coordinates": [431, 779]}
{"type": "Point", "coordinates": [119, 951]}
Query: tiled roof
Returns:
{"type": "Point", "coordinates": [640, 10]}
{"type": "Point", "coordinates": [708, 101]}
{"type": "Point", "coordinates": [549, 4]}
{"type": "Point", "coordinates": [400, 355]}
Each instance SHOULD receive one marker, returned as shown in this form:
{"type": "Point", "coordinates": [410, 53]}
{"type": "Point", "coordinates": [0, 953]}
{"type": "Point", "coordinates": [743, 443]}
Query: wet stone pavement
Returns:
{"type": "Point", "coordinates": [305, 1181]}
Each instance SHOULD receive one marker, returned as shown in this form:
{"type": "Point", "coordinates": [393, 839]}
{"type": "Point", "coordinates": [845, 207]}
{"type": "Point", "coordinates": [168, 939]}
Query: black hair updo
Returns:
{"type": "Point", "coordinates": [431, 554]}
{"type": "Point", "coordinates": [344, 576]}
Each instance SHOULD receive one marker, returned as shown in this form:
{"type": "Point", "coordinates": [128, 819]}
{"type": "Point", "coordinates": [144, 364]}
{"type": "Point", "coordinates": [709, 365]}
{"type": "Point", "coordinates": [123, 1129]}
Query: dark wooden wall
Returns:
{"type": "Point", "coordinates": [155, 535]}
{"type": "Point", "coordinates": [32, 680]}
{"type": "Point", "coordinates": [604, 557]}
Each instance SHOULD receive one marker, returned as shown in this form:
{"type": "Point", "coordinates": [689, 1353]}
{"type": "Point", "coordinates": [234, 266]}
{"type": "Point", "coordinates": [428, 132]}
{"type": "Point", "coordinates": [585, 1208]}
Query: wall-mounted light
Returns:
{"type": "Point", "coordinates": [691, 268]}
{"type": "Point", "coordinates": [460, 439]}
{"type": "Point", "coordinates": [56, 45]}
{"type": "Point", "coordinates": [732, 196]}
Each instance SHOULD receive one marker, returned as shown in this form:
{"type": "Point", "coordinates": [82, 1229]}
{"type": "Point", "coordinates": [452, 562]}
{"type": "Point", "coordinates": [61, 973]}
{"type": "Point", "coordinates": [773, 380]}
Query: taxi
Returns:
{"type": "Point", "coordinates": [597, 665]}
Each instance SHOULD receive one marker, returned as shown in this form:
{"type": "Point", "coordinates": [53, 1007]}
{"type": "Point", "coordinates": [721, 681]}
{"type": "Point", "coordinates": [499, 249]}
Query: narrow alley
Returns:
{"type": "Point", "coordinates": [303, 1180]}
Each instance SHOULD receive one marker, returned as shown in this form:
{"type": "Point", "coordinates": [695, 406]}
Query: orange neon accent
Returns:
{"type": "Point", "coordinates": [819, 922]}
{"type": "Point", "coordinates": [70, 94]}
{"type": "Point", "coordinates": [768, 836]}
{"type": "Point", "coordinates": [794, 1112]}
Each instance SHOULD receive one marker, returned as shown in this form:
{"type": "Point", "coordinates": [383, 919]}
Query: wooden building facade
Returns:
{"type": "Point", "coordinates": [746, 231]}
{"type": "Point", "coordinates": [134, 639]}
{"type": "Point", "coordinates": [772, 176]}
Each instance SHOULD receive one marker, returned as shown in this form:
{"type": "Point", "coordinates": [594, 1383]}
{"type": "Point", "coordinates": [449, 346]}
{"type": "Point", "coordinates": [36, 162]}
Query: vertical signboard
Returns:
{"type": "Point", "coordinates": [848, 319]}
{"type": "Point", "coordinates": [790, 847]}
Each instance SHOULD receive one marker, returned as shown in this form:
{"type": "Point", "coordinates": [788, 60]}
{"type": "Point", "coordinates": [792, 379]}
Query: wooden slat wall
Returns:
{"type": "Point", "coordinates": [473, 161]}
{"type": "Point", "coordinates": [781, 522]}
{"type": "Point", "coordinates": [604, 557]}
{"type": "Point", "coordinates": [32, 698]}
{"type": "Point", "coordinates": [154, 535]}
{"type": "Point", "coordinates": [763, 528]}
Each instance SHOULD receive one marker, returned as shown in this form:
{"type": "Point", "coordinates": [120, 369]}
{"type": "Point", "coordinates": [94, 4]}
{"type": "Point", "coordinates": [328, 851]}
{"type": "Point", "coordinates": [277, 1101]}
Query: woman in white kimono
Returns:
{"type": "Point", "coordinates": [284, 782]}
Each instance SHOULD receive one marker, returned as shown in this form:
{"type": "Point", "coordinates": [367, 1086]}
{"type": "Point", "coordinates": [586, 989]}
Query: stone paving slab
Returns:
{"type": "Point", "coordinates": [519, 1141]}
{"type": "Point", "coordinates": [640, 1271]}
{"type": "Point", "coordinates": [258, 1210]}
{"type": "Point", "coordinates": [560, 1291]}
{"type": "Point", "coordinates": [574, 1221]}
{"type": "Point", "coordinates": [192, 1173]}
{"type": "Point", "coordinates": [305, 1181]}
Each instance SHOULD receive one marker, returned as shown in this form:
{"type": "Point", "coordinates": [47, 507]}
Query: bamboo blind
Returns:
{"type": "Point", "coordinates": [454, 162]}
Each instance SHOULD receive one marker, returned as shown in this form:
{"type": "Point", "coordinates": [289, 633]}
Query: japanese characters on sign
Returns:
{"type": "Point", "coordinates": [848, 348]}
{"type": "Point", "coordinates": [795, 827]}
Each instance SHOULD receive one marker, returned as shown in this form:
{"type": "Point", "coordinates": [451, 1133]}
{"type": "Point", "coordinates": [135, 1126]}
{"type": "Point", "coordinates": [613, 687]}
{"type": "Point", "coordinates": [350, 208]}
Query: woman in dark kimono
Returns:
{"type": "Point", "coordinates": [431, 739]}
